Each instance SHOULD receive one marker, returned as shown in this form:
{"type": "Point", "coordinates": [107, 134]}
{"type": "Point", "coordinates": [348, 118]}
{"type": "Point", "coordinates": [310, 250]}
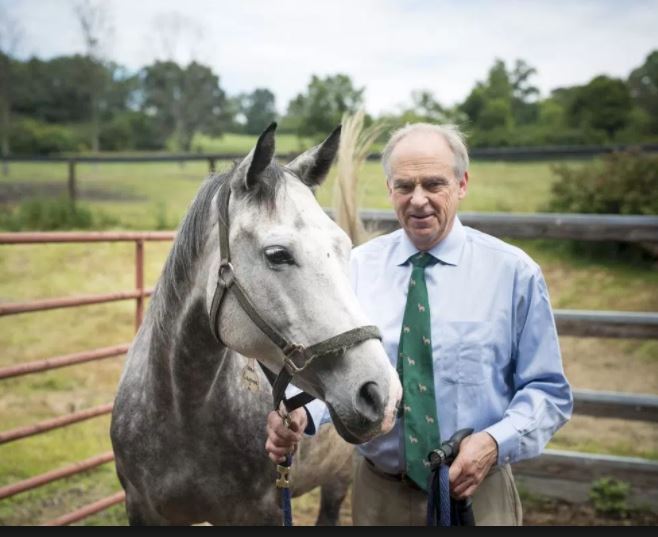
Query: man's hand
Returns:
{"type": "Point", "coordinates": [282, 440]}
{"type": "Point", "coordinates": [477, 453]}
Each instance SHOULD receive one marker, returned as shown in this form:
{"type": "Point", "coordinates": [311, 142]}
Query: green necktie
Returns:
{"type": "Point", "coordinates": [421, 426]}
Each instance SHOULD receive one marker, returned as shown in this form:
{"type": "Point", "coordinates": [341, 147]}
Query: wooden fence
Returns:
{"type": "Point", "coordinates": [492, 153]}
{"type": "Point", "coordinates": [563, 474]}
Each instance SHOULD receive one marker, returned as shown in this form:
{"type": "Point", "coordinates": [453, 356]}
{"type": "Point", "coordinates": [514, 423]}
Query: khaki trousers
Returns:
{"type": "Point", "coordinates": [384, 501]}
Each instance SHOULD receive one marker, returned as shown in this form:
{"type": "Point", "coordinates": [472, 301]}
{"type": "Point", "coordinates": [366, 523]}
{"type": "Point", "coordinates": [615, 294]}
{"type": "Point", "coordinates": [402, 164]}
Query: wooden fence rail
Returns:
{"type": "Point", "coordinates": [489, 153]}
{"type": "Point", "coordinates": [569, 475]}
{"type": "Point", "coordinates": [626, 406]}
{"type": "Point", "coordinates": [583, 227]}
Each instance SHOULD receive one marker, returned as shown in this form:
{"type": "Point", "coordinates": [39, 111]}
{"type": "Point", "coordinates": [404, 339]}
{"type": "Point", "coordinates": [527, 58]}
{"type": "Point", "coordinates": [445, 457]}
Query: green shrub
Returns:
{"type": "Point", "coordinates": [32, 137]}
{"type": "Point", "coordinates": [131, 130]}
{"type": "Point", "coordinates": [609, 496]}
{"type": "Point", "coordinates": [53, 215]}
{"type": "Point", "coordinates": [622, 183]}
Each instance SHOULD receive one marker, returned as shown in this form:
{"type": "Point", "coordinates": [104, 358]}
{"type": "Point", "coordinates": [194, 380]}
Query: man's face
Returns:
{"type": "Point", "coordinates": [423, 188]}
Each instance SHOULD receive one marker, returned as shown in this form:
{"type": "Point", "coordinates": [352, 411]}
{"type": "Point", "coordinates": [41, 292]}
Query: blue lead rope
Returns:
{"type": "Point", "coordinates": [438, 502]}
{"type": "Point", "coordinates": [283, 483]}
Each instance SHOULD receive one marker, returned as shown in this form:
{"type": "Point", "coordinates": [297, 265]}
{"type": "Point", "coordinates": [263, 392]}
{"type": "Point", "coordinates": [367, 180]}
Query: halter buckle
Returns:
{"type": "Point", "coordinates": [291, 350]}
{"type": "Point", "coordinates": [226, 273]}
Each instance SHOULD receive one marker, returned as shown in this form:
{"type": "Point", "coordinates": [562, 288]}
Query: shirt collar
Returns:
{"type": "Point", "coordinates": [447, 251]}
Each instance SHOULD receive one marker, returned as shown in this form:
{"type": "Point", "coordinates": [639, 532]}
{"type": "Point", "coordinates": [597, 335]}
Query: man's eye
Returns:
{"type": "Point", "coordinates": [403, 188]}
{"type": "Point", "coordinates": [278, 255]}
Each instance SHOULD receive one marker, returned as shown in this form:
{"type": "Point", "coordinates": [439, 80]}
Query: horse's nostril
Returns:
{"type": "Point", "coordinates": [370, 402]}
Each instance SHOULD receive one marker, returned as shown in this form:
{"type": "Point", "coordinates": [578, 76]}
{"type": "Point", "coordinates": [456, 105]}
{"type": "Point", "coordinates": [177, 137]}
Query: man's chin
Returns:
{"type": "Point", "coordinates": [422, 238]}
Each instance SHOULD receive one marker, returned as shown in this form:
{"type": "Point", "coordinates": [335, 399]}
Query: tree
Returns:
{"type": "Point", "coordinates": [603, 104]}
{"type": "Point", "coordinates": [322, 107]}
{"type": "Point", "coordinates": [258, 109]}
{"type": "Point", "coordinates": [524, 95]}
{"type": "Point", "coordinates": [474, 103]}
{"type": "Point", "coordinates": [56, 91]}
{"type": "Point", "coordinates": [489, 105]}
{"type": "Point", "coordinates": [184, 101]}
{"type": "Point", "coordinates": [426, 107]}
{"type": "Point", "coordinates": [643, 85]}
{"type": "Point", "coordinates": [96, 29]}
{"type": "Point", "coordinates": [10, 37]}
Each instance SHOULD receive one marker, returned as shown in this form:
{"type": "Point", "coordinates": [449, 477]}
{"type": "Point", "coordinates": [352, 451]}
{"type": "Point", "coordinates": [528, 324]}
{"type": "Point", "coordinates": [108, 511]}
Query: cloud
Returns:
{"type": "Point", "coordinates": [391, 47]}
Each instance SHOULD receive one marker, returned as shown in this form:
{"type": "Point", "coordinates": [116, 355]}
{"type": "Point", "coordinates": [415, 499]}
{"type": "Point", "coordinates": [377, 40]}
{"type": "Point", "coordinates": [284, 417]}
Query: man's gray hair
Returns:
{"type": "Point", "coordinates": [450, 133]}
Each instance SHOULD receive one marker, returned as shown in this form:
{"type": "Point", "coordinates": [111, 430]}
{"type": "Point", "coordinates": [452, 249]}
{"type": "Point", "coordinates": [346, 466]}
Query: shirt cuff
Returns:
{"type": "Point", "coordinates": [315, 411]}
{"type": "Point", "coordinates": [508, 440]}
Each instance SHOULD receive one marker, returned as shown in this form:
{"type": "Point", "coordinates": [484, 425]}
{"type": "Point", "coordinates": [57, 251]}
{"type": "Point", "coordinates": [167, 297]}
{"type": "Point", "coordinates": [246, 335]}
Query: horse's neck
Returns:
{"type": "Point", "coordinates": [185, 359]}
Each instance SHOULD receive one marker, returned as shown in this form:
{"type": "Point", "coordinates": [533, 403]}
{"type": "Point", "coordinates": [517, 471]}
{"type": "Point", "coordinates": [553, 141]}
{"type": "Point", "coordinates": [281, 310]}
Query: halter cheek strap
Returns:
{"type": "Point", "coordinates": [296, 357]}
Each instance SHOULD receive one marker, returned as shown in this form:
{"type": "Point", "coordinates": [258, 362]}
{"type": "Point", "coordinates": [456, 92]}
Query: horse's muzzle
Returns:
{"type": "Point", "coordinates": [373, 411]}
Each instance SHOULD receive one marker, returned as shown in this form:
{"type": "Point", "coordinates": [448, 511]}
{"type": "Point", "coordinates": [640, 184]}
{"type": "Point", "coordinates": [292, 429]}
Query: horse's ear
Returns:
{"type": "Point", "coordinates": [313, 165]}
{"type": "Point", "coordinates": [260, 157]}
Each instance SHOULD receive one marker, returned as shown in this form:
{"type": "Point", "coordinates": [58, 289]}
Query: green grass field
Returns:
{"type": "Point", "coordinates": [146, 196]}
{"type": "Point", "coordinates": [157, 195]}
{"type": "Point", "coordinates": [242, 143]}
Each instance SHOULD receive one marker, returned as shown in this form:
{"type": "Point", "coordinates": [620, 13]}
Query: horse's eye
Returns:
{"type": "Point", "coordinates": [278, 255]}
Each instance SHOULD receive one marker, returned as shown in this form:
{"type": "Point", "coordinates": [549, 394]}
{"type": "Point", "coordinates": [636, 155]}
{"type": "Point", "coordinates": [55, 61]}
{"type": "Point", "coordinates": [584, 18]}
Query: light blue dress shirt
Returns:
{"type": "Point", "coordinates": [497, 363]}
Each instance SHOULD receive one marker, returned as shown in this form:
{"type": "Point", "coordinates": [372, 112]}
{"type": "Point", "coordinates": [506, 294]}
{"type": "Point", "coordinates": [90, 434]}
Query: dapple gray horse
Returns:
{"type": "Point", "coordinates": [188, 425]}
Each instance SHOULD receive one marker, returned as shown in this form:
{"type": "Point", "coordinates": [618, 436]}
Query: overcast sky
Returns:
{"type": "Point", "coordinates": [389, 46]}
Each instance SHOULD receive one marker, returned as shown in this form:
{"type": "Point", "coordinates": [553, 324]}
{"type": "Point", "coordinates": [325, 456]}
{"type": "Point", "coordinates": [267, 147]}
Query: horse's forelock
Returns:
{"type": "Point", "coordinates": [262, 193]}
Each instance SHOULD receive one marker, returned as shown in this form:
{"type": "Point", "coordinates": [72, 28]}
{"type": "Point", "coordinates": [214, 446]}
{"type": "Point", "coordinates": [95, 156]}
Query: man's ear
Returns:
{"type": "Point", "coordinates": [463, 186]}
{"type": "Point", "coordinates": [313, 166]}
{"type": "Point", "coordinates": [259, 158]}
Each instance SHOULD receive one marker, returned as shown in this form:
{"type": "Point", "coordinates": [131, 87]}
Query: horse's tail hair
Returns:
{"type": "Point", "coordinates": [355, 143]}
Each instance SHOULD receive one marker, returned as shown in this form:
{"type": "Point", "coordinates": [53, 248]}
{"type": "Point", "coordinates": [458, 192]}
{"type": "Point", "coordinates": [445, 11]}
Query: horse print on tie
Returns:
{"type": "Point", "coordinates": [420, 425]}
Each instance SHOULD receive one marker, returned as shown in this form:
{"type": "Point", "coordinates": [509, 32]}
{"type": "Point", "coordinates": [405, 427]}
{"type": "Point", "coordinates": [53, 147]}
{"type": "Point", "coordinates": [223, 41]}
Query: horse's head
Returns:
{"type": "Point", "coordinates": [292, 262]}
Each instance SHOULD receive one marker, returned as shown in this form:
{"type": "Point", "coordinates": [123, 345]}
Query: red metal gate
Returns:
{"type": "Point", "coordinates": [138, 294]}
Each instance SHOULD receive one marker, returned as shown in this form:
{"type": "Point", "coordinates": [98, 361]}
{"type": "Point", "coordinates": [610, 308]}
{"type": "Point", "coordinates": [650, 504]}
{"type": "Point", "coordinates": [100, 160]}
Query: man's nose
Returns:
{"type": "Point", "coordinates": [419, 196]}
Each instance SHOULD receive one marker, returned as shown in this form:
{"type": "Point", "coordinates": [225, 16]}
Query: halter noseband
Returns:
{"type": "Point", "coordinates": [297, 357]}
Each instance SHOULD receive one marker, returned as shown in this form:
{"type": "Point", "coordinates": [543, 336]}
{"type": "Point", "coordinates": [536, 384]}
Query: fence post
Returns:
{"type": "Point", "coordinates": [72, 186]}
{"type": "Point", "coordinates": [211, 165]}
{"type": "Point", "coordinates": [139, 282]}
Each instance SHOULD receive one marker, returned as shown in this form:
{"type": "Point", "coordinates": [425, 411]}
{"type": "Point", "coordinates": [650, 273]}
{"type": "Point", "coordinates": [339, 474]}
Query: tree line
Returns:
{"type": "Point", "coordinates": [83, 103]}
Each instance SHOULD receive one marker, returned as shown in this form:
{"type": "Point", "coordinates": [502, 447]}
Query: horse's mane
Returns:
{"type": "Point", "coordinates": [179, 270]}
{"type": "Point", "coordinates": [355, 143]}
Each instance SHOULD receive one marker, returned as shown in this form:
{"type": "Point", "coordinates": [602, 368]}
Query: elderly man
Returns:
{"type": "Point", "coordinates": [467, 320]}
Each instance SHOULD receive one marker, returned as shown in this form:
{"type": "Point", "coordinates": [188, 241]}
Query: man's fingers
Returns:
{"type": "Point", "coordinates": [460, 489]}
{"type": "Point", "coordinates": [284, 434]}
{"type": "Point", "coordinates": [284, 439]}
{"type": "Point", "coordinates": [276, 458]}
{"type": "Point", "coordinates": [455, 471]}
{"type": "Point", "coordinates": [281, 440]}
{"type": "Point", "coordinates": [463, 492]}
{"type": "Point", "coordinates": [278, 453]}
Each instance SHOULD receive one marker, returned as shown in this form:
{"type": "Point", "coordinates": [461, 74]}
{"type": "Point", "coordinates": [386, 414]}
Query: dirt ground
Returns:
{"type": "Point", "coordinates": [536, 512]}
{"type": "Point", "coordinates": [558, 513]}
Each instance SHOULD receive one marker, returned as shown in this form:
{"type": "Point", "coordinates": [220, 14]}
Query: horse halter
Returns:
{"type": "Point", "coordinates": [297, 356]}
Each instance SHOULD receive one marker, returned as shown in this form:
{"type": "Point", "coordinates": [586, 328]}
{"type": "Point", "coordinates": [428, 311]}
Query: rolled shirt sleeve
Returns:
{"type": "Point", "coordinates": [542, 401]}
{"type": "Point", "coordinates": [316, 411]}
